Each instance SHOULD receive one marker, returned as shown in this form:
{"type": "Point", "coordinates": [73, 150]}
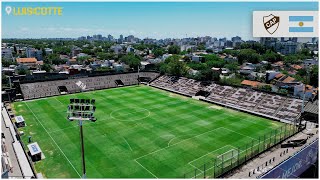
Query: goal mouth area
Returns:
{"type": "Point", "coordinates": [227, 158]}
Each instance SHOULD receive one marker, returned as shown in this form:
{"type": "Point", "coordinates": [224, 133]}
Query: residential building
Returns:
{"type": "Point", "coordinates": [251, 84]}
{"type": "Point", "coordinates": [197, 58]}
{"type": "Point", "coordinates": [6, 53]}
{"type": "Point", "coordinates": [75, 51]}
{"type": "Point", "coordinates": [48, 51]}
{"type": "Point", "coordinates": [130, 49]}
{"type": "Point", "coordinates": [34, 53]}
{"type": "Point", "coordinates": [116, 48]}
{"type": "Point", "coordinates": [310, 62]}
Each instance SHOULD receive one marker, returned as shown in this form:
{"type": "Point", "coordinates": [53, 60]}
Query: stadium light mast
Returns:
{"type": "Point", "coordinates": [81, 110]}
{"type": "Point", "coordinates": [138, 75]}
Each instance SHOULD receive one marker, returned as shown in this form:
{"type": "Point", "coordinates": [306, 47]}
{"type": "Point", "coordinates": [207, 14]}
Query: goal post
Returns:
{"type": "Point", "coordinates": [226, 161]}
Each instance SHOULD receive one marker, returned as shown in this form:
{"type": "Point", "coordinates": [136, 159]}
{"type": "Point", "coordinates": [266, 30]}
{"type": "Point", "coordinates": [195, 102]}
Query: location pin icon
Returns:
{"type": "Point", "coordinates": [8, 9]}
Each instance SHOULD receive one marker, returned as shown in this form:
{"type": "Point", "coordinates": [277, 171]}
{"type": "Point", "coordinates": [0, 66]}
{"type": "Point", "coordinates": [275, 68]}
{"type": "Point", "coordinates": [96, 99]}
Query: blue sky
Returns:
{"type": "Point", "coordinates": [154, 20]}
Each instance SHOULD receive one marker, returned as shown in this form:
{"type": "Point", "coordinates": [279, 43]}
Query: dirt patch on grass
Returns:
{"type": "Point", "coordinates": [177, 96]}
{"type": "Point", "coordinates": [215, 107]}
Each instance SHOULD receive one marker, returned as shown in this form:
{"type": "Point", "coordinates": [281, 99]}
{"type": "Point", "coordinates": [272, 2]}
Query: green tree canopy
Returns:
{"type": "Point", "coordinates": [174, 49]}
{"type": "Point", "coordinates": [158, 52]}
{"type": "Point", "coordinates": [173, 66]}
{"type": "Point", "coordinates": [132, 60]}
{"type": "Point", "coordinates": [271, 56]}
{"type": "Point", "coordinates": [248, 55]}
{"type": "Point", "coordinates": [46, 67]}
{"type": "Point", "coordinates": [233, 67]}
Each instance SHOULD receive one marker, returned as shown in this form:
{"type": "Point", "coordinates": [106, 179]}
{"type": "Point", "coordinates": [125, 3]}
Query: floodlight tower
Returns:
{"type": "Point", "coordinates": [81, 110]}
{"type": "Point", "coordinates": [139, 75]}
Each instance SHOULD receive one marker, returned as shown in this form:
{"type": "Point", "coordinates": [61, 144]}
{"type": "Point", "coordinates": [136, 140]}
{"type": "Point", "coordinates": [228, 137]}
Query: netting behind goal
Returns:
{"type": "Point", "coordinates": [223, 163]}
{"type": "Point", "coordinates": [226, 160]}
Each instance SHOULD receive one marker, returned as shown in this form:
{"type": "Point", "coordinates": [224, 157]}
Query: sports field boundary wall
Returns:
{"type": "Point", "coordinates": [24, 162]}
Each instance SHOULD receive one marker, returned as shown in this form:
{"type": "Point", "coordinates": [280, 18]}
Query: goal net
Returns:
{"type": "Point", "coordinates": [227, 159]}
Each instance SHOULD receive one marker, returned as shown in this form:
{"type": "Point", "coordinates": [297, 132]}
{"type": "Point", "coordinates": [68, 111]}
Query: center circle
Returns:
{"type": "Point", "coordinates": [130, 114]}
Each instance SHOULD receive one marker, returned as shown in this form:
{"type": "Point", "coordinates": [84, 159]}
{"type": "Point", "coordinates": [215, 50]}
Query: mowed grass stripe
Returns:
{"type": "Point", "coordinates": [180, 129]}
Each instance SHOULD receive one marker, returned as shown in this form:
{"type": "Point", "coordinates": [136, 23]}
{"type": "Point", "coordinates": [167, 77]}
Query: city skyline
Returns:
{"type": "Point", "coordinates": [143, 20]}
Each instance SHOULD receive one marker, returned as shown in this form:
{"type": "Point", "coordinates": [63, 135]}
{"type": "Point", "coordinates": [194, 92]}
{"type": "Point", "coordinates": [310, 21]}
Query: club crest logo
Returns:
{"type": "Point", "coordinates": [271, 23]}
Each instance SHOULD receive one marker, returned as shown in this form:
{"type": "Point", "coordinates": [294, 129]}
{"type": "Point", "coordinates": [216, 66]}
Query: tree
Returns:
{"type": "Point", "coordinates": [46, 67]}
{"type": "Point", "coordinates": [173, 66]}
{"type": "Point", "coordinates": [140, 47]}
{"type": "Point", "coordinates": [82, 59]}
{"type": "Point", "coordinates": [23, 71]}
{"type": "Point", "coordinates": [248, 55]}
{"type": "Point", "coordinates": [206, 75]}
{"type": "Point", "coordinates": [44, 53]}
{"type": "Point", "coordinates": [255, 46]}
{"type": "Point", "coordinates": [266, 87]}
{"type": "Point", "coordinates": [213, 60]}
{"type": "Point", "coordinates": [6, 63]}
{"type": "Point", "coordinates": [105, 56]}
{"type": "Point", "coordinates": [54, 59]}
{"type": "Point", "coordinates": [271, 56]}
{"type": "Point", "coordinates": [233, 67]}
{"type": "Point", "coordinates": [174, 49]}
{"type": "Point", "coordinates": [291, 59]}
{"type": "Point", "coordinates": [201, 47]}
{"type": "Point", "coordinates": [103, 69]}
{"type": "Point", "coordinates": [305, 52]}
{"type": "Point", "coordinates": [197, 66]}
{"type": "Point", "coordinates": [283, 91]}
{"type": "Point", "coordinates": [132, 60]}
{"type": "Point", "coordinates": [231, 81]}
{"type": "Point", "coordinates": [158, 52]}
{"type": "Point", "coordinates": [314, 80]}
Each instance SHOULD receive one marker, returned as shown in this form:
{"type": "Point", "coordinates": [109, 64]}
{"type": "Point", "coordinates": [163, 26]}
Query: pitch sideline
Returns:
{"type": "Point", "coordinates": [53, 140]}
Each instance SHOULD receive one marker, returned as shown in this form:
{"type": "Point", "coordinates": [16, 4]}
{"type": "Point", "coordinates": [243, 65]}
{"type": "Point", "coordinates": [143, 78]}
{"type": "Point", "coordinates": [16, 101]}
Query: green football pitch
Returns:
{"type": "Point", "coordinates": [140, 132]}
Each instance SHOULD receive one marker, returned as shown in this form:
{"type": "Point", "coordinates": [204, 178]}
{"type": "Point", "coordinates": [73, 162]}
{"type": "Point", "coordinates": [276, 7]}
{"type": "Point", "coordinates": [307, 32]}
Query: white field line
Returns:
{"type": "Point", "coordinates": [195, 167]}
{"type": "Point", "coordinates": [214, 166]}
{"type": "Point", "coordinates": [62, 129]}
{"type": "Point", "coordinates": [239, 133]}
{"type": "Point", "coordinates": [171, 140]}
{"type": "Point", "coordinates": [143, 109]}
{"type": "Point", "coordinates": [30, 100]}
{"type": "Point", "coordinates": [146, 169]}
{"type": "Point", "coordinates": [58, 100]}
{"type": "Point", "coordinates": [176, 143]}
{"type": "Point", "coordinates": [209, 153]}
{"type": "Point", "coordinates": [53, 140]}
{"type": "Point", "coordinates": [127, 143]}
{"type": "Point", "coordinates": [190, 163]}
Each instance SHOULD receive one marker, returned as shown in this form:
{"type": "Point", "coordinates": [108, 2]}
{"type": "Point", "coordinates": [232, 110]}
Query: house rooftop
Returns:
{"type": "Point", "coordinates": [250, 83]}
{"type": "Point", "coordinates": [279, 75]}
{"type": "Point", "coordinates": [288, 79]}
{"type": "Point", "coordinates": [26, 60]}
{"type": "Point", "coordinates": [296, 67]}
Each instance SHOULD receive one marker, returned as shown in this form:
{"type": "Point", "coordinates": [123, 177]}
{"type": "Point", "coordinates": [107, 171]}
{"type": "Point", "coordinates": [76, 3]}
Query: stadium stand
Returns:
{"type": "Point", "coordinates": [51, 88]}
{"type": "Point", "coordinates": [260, 103]}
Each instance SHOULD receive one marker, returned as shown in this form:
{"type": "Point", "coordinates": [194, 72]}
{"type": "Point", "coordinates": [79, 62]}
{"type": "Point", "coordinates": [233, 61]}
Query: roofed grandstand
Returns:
{"type": "Point", "coordinates": [50, 88]}
{"type": "Point", "coordinates": [261, 103]}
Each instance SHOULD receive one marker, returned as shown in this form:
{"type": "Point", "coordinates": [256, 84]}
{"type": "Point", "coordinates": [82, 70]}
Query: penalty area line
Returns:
{"type": "Point", "coordinates": [146, 169]}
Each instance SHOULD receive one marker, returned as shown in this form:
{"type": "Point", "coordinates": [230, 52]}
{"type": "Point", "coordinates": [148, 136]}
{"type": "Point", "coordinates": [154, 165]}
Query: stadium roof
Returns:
{"type": "Point", "coordinates": [312, 107]}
